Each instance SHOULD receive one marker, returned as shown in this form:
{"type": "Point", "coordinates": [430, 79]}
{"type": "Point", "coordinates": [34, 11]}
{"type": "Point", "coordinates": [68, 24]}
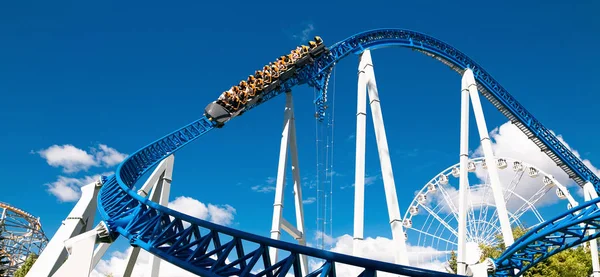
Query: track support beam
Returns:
{"type": "Point", "coordinates": [288, 143]}
{"type": "Point", "coordinates": [461, 265]}
{"type": "Point", "coordinates": [469, 83]}
{"type": "Point", "coordinates": [79, 221]}
{"type": "Point", "coordinates": [590, 193]}
{"type": "Point", "coordinates": [366, 81]}
{"type": "Point", "coordinates": [82, 257]}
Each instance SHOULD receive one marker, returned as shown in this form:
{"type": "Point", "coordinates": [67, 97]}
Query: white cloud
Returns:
{"type": "Point", "coordinates": [109, 156]}
{"type": "Point", "coordinates": [369, 180]}
{"type": "Point", "coordinates": [309, 200]}
{"type": "Point", "coordinates": [509, 141]}
{"type": "Point", "coordinates": [305, 33]}
{"type": "Point", "coordinates": [218, 214]}
{"type": "Point", "coordinates": [263, 189]}
{"type": "Point", "coordinates": [271, 180]}
{"type": "Point", "coordinates": [381, 249]}
{"type": "Point", "coordinates": [269, 187]}
{"type": "Point", "coordinates": [327, 239]}
{"type": "Point", "coordinates": [221, 215]}
{"type": "Point", "coordinates": [73, 159]}
{"type": "Point", "coordinates": [117, 261]}
{"type": "Point", "coordinates": [67, 189]}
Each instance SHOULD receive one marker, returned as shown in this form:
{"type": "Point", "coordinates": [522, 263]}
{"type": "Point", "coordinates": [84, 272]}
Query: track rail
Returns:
{"type": "Point", "coordinates": [177, 237]}
{"type": "Point", "coordinates": [565, 231]}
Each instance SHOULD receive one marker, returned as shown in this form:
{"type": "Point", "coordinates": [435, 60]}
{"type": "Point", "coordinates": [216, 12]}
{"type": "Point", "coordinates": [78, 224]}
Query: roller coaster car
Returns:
{"type": "Point", "coordinates": [253, 101]}
{"type": "Point", "coordinates": [217, 113]}
{"type": "Point", "coordinates": [304, 61]}
{"type": "Point", "coordinates": [288, 73]}
{"type": "Point", "coordinates": [273, 85]}
{"type": "Point", "coordinates": [317, 51]}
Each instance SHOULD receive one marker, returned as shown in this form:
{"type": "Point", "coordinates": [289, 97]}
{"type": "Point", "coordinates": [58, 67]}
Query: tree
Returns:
{"type": "Point", "coordinates": [452, 263]}
{"type": "Point", "coordinates": [22, 271]}
{"type": "Point", "coordinates": [3, 260]}
{"type": "Point", "coordinates": [3, 264]}
{"type": "Point", "coordinates": [573, 262]}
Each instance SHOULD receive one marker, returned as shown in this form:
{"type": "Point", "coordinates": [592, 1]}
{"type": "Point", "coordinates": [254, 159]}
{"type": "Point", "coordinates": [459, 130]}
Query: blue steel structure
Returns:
{"type": "Point", "coordinates": [202, 247]}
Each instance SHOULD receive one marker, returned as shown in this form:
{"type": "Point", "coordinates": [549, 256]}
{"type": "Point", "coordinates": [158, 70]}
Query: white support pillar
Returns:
{"type": "Point", "coordinates": [99, 252]}
{"type": "Point", "coordinates": [481, 269]}
{"type": "Point", "coordinates": [131, 260]}
{"type": "Point", "coordinates": [79, 221]}
{"type": "Point", "coordinates": [81, 253]}
{"type": "Point", "coordinates": [288, 143]}
{"type": "Point", "coordinates": [590, 193]}
{"type": "Point", "coordinates": [158, 186]}
{"type": "Point", "coordinates": [280, 181]}
{"type": "Point", "coordinates": [297, 187]}
{"type": "Point", "coordinates": [82, 258]}
{"type": "Point", "coordinates": [463, 180]}
{"type": "Point", "coordinates": [366, 64]}
{"type": "Point", "coordinates": [160, 195]}
{"type": "Point", "coordinates": [359, 173]}
{"type": "Point", "coordinates": [486, 144]}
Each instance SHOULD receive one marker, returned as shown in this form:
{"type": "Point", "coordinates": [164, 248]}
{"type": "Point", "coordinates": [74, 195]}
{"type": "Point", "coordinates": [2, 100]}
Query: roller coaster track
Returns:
{"type": "Point", "coordinates": [200, 246]}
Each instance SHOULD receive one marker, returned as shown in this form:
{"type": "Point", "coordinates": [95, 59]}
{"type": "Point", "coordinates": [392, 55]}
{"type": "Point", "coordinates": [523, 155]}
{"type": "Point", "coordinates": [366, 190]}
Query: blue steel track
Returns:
{"type": "Point", "coordinates": [208, 249]}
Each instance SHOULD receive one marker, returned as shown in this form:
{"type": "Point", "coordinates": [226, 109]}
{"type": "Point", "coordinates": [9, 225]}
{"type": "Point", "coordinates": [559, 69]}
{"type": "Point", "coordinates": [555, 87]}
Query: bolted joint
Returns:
{"type": "Point", "coordinates": [101, 181]}
{"type": "Point", "coordinates": [481, 269]}
{"type": "Point", "coordinates": [104, 233]}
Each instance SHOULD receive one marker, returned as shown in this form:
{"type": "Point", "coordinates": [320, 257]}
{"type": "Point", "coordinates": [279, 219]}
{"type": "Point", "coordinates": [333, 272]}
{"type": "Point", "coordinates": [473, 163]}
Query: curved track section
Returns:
{"type": "Point", "coordinates": [198, 246]}
{"type": "Point", "coordinates": [565, 231]}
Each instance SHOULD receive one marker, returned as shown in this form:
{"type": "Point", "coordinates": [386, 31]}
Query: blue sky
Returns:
{"type": "Point", "coordinates": [119, 76]}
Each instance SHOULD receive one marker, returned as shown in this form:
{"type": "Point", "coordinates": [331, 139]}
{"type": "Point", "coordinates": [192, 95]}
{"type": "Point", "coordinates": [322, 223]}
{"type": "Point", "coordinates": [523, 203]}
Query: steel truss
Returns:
{"type": "Point", "coordinates": [562, 232]}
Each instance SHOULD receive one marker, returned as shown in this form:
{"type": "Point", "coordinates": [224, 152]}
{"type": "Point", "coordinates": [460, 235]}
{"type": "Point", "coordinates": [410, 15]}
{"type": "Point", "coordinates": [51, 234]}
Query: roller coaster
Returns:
{"type": "Point", "coordinates": [200, 247]}
{"type": "Point", "coordinates": [22, 235]}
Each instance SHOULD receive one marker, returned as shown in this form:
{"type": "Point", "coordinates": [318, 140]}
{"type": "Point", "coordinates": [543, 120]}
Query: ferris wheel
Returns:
{"type": "Point", "coordinates": [431, 220]}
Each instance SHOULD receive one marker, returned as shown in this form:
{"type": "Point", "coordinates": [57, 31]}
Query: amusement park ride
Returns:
{"type": "Point", "coordinates": [22, 236]}
{"type": "Point", "coordinates": [207, 249]}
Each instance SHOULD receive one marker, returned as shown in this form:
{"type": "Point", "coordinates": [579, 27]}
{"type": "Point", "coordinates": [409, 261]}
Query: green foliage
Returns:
{"type": "Point", "coordinates": [573, 262]}
{"type": "Point", "coordinates": [22, 271]}
{"type": "Point", "coordinates": [452, 267]}
{"type": "Point", "coordinates": [3, 261]}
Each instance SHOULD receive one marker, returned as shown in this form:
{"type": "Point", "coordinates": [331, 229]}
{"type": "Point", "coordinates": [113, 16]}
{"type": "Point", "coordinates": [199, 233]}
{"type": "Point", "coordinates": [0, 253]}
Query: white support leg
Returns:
{"type": "Point", "coordinates": [280, 181]}
{"type": "Point", "coordinates": [81, 254]}
{"type": "Point", "coordinates": [99, 252]}
{"type": "Point", "coordinates": [160, 195]}
{"type": "Point", "coordinates": [481, 269]}
{"type": "Point", "coordinates": [131, 260]}
{"type": "Point", "coordinates": [384, 159]}
{"type": "Point", "coordinates": [359, 175]}
{"type": "Point", "coordinates": [486, 144]}
{"type": "Point", "coordinates": [463, 180]}
{"type": "Point", "coordinates": [297, 187]}
{"type": "Point", "coordinates": [80, 220]}
{"type": "Point", "coordinates": [154, 185]}
{"type": "Point", "coordinates": [590, 193]}
{"type": "Point", "coordinates": [288, 143]}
